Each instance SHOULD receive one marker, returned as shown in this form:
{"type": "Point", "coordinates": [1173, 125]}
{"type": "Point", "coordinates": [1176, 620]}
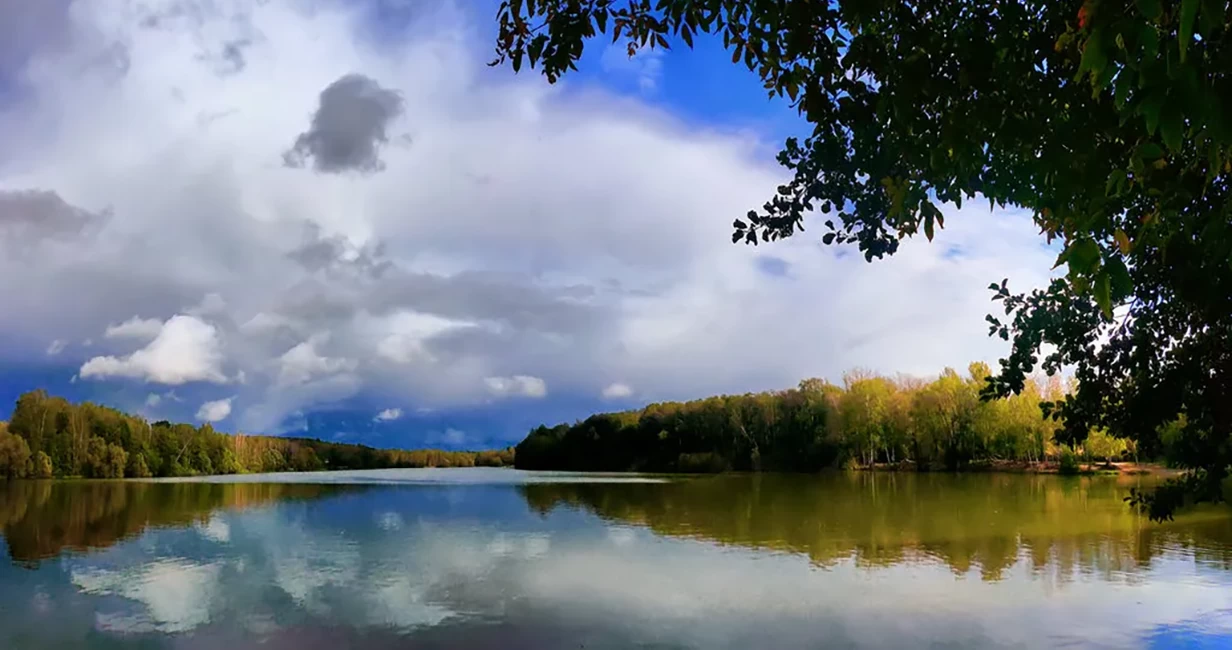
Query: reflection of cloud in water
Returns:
{"type": "Point", "coordinates": [176, 594]}
{"type": "Point", "coordinates": [383, 570]}
{"type": "Point", "coordinates": [215, 529]}
{"type": "Point", "coordinates": [713, 596]}
{"type": "Point", "coordinates": [390, 521]}
{"type": "Point", "coordinates": [402, 602]}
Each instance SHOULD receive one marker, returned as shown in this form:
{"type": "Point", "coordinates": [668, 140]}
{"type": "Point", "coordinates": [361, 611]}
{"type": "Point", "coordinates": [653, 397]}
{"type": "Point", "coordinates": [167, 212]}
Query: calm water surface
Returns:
{"type": "Point", "coordinates": [505, 559]}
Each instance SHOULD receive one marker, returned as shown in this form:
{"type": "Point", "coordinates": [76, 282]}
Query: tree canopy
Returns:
{"type": "Point", "coordinates": [869, 420]}
{"type": "Point", "coordinates": [49, 436]}
{"type": "Point", "coordinates": [1107, 120]}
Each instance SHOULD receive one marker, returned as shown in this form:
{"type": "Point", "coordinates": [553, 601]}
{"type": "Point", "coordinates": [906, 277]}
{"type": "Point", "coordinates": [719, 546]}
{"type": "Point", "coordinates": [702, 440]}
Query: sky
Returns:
{"type": "Point", "coordinates": [332, 218]}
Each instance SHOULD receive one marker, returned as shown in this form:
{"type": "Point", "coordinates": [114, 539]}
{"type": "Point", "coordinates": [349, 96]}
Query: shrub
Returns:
{"type": "Point", "coordinates": [1069, 461]}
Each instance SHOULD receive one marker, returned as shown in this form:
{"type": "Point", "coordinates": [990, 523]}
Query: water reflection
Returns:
{"type": "Point", "coordinates": [989, 522]}
{"type": "Point", "coordinates": [42, 519]}
{"type": "Point", "coordinates": [728, 562]}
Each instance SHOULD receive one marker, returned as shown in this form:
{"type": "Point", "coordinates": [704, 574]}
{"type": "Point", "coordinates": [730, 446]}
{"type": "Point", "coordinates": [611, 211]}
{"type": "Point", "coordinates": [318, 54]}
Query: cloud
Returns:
{"type": "Point", "coordinates": [645, 67]}
{"type": "Point", "coordinates": [388, 415]}
{"type": "Point", "coordinates": [348, 128]}
{"type": "Point", "coordinates": [516, 386]}
{"type": "Point", "coordinates": [56, 347]}
{"type": "Point", "coordinates": [185, 350]}
{"type": "Point", "coordinates": [509, 240]}
{"type": "Point", "coordinates": [215, 410]}
{"type": "Point", "coordinates": [617, 391]}
{"type": "Point", "coordinates": [175, 594]}
{"type": "Point", "coordinates": [303, 363]}
{"type": "Point", "coordinates": [29, 216]}
{"type": "Point", "coordinates": [153, 399]}
{"type": "Point", "coordinates": [134, 328]}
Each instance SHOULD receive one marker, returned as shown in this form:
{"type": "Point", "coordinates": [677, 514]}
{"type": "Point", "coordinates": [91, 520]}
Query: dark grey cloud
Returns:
{"type": "Point", "coordinates": [348, 128]}
{"type": "Point", "coordinates": [320, 252]}
{"type": "Point", "coordinates": [480, 295]}
{"type": "Point", "coordinates": [233, 55]}
{"type": "Point", "coordinates": [28, 216]}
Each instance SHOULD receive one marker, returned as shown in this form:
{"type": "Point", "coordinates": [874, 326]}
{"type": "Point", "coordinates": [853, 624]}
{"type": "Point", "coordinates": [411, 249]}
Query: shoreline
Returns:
{"type": "Point", "coordinates": [1047, 467]}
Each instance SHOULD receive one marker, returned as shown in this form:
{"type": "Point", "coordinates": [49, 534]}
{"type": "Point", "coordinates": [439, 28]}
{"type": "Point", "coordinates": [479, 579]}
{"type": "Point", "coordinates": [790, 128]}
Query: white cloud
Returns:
{"type": "Point", "coordinates": [302, 363]}
{"type": "Point", "coordinates": [388, 415]}
{"type": "Point", "coordinates": [454, 437]}
{"type": "Point", "coordinates": [516, 386]}
{"type": "Point", "coordinates": [617, 391]}
{"type": "Point", "coordinates": [645, 66]}
{"type": "Point", "coordinates": [153, 399]}
{"type": "Point", "coordinates": [185, 349]}
{"type": "Point", "coordinates": [215, 410]}
{"type": "Point", "coordinates": [134, 328]}
{"type": "Point", "coordinates": [56, 347]}
{"type": "Point", "coordinates": [505, 235]}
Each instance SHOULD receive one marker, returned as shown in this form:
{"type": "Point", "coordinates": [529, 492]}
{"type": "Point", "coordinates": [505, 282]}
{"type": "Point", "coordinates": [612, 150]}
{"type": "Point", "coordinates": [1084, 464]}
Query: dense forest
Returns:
{"type": "Point", "coordinates": [868, 420]}
{"type": "Point", "coordinates": [50, 437]}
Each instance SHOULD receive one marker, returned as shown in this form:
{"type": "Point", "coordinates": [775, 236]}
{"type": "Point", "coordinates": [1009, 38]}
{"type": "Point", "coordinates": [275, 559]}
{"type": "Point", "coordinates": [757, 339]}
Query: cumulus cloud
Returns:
{"type": "Point", "coordinates": [303, 363]}
{"type": "Point", "coordinates": [516, 386]}
{"type": "Point", "coordinates": [134, 328]}
{"type": "Point", "coordinates": [348, 127]}
{"type": "Point", "coordinates": [617, 391]}
{"type": "Point", "coordinates": [215, 410]}
{"type": "Point", "coordinates": [508, 240]}
{"type": "Point", "coordinates": [56, 347]}
{"type": "Point", "coordinates": [388, 415]}
{"type": "Point", "coordinates": [185, 349]}
{"type": "Point", "coordinates": [644, 67]}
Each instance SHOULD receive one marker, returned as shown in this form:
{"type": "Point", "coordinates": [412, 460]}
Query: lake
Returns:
{"type": "Point", "coordinates": [476, 558]}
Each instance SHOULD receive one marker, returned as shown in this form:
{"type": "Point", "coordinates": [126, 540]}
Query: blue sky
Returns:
{"type": "Point", "coordinates": [293, 217]}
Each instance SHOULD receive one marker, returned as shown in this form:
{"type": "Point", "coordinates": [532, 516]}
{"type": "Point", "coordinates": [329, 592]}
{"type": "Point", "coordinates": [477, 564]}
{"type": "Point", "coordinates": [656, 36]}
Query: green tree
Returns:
{"type": "Point", "coordinates": [1107, 120]}
{"type": "Point", "coordinates": [14, 455]}
{"type": "Point", "coordinates": [42, 466]}
{"type": "Point", "coordinates": [865, 409]}
{"type": "Point", "coordinates": [137, 467]}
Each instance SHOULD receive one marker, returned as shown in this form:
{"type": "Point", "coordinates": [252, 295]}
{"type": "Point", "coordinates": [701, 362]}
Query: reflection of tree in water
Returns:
{"type": "Point", "coordinates": [41, 519]}
{"type": "Point", "coordinates": [1057, 527]}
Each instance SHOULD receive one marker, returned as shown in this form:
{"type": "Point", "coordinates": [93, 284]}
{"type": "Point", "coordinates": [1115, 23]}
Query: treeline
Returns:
{"type": "Point", "coordinates": [50, 437]}
{"type": "Point", "coordinates": [870, 419]}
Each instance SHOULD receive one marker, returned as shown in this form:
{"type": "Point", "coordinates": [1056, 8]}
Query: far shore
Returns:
{"type": "Point", "coordinates": [1120, 468]}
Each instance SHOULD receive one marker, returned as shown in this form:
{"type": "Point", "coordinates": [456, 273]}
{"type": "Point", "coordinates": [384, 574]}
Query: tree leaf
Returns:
{"type": "Point", "coordinates": [928, 226]}
{"type": "Point", "coordinates": [1189, 11]}
{"type": "Point", "coordinates": [1093, 56]}
{"type": "Point", "coordinates": [1123, 242]}
{"type": "Point", "coordinates": [1115, 180]}
{"type": "Point", "coordinates": [1083, 255]}
{"type": "Point", "coordinates": [1149, 110]}
{"type": "Point", "coordinates": [1150, 151]}
{"type": "Point", "coordinates": [1121, 284]}
{"type": "Point", "coordinates": [1103, 292]}
{"type": "Point", "coordinates": [1149, 8]}
{"type": "Point", "coordinates": [1171, 124]}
